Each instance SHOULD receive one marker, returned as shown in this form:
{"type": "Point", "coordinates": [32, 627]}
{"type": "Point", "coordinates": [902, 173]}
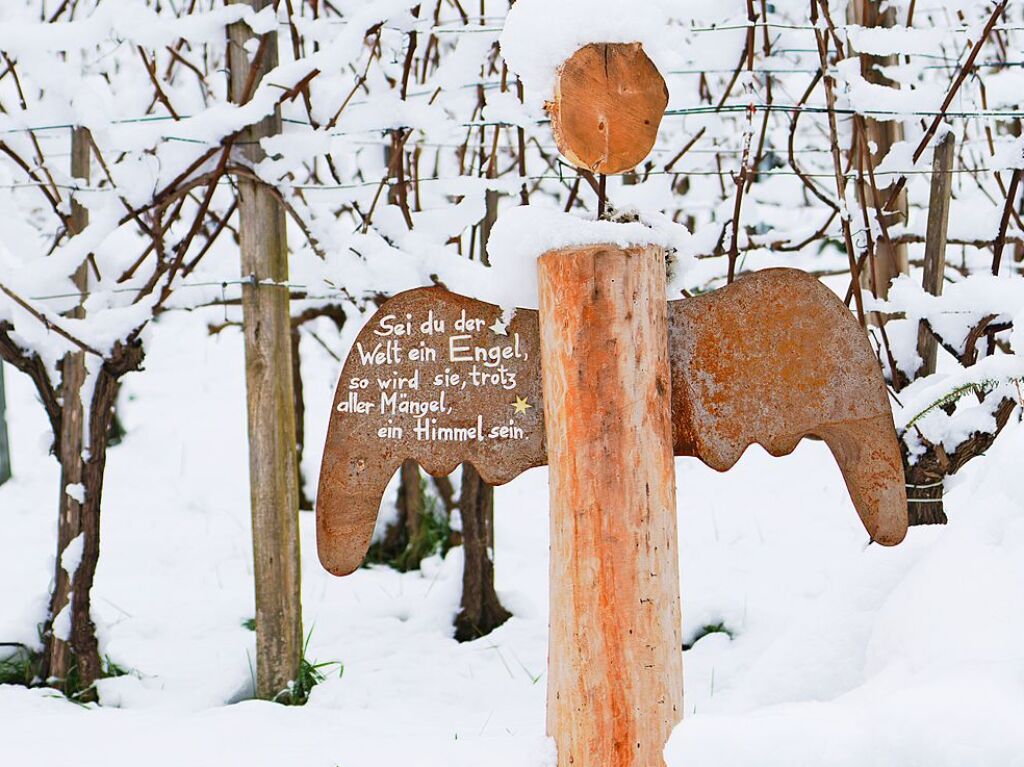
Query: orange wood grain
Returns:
{"type": "Point", "coordinates": [615, 682]}
{"type": "Point", "coordinates": [608, 103]}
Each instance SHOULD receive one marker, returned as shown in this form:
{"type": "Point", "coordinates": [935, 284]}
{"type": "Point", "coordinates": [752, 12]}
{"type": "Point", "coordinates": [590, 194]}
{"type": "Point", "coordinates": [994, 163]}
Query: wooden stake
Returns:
{"type": "Point", "coordinates": [273, 474]}
{"type": "Point", "coordinates": [615, 681]}
{"type": "Point", "coordinates": [890, 259]}
{"type": "Point", "coordinates": [935, 243]}
{"type": "Point", "coordinates": [5, 447]}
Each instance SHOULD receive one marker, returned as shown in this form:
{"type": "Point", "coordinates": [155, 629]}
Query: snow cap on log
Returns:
{"type": "Point", "coordinates": [521, 235]}
{"type": "Point", "coordinates": [539, 36]}
{"type": "Point", "coordinates": [597, 70]}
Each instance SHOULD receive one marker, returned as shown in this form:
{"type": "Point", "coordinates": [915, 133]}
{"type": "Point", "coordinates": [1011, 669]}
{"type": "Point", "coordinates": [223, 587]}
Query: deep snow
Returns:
{"type": "Point", "coordinates": [842, 654]}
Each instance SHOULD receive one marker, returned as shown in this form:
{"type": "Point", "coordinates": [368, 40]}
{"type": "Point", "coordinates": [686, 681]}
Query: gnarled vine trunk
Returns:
{"type": "Point", "coordinates": [481, 611]}
{"type": "Point", "coordinates": [58, 664]}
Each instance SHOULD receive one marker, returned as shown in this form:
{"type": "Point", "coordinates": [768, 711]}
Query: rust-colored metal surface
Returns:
{"type": "Point", "coordinates": [439, 378]}
{"type": "Point", "coordinates": [436, 377]}
{"type": "Point", "coordinates": [776, 357]}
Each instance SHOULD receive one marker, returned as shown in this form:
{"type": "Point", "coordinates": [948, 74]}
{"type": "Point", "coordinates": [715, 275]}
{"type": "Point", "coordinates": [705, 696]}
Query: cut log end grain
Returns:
{"type": "Point", "coordinates": [608, 104]}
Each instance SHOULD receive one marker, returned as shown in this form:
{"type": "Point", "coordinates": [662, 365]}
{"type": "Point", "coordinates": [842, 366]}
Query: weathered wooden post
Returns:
{"type": "Point", "coordinates": [935, 243]}
{"type": "Point", "coordinates": [605, 384]}
{"type": "Point", "coordinates": [273, 470]}
{"type": "Point", "coordinates": [889, 260]}
{"type": "Point", "coordinates": [926, 505]}
{"type": "Point", "coordinates": [5, 446]}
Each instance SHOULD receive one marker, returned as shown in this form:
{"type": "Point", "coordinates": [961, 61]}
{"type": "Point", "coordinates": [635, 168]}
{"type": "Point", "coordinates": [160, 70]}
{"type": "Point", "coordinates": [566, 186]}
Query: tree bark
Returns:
{"type": "Point", "coordinates": [272, 456]}
{"type": "Point", "coordinates": [58, 650]}
{"type": "Point", "coordinates": [396, 536]}
{"type": "Point", "coordinates": [924, 488]}
{"type": "Point", "coordinates": [403, 536]}
{"type": "Point", "coordinates": [410, 514]}
{"type": "Point", "coordinates": [481, 611]}
{"type": "Point", "coordinates": [84, 645]}
{"type": "Point", "coordinates": [924, 498]}
{"type": "Point", "coordinates": [615, 681]}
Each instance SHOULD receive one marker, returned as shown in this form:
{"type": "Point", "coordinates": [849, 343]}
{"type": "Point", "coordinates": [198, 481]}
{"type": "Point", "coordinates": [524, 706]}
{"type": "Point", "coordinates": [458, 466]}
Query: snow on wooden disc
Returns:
{"type": "Point", "coordinates": [609, 101]}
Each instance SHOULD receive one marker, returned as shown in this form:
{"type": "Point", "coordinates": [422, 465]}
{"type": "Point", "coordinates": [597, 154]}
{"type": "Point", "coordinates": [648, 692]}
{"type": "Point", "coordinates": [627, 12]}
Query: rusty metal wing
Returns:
{"type": "Point", "coordinates": [364, 449]}
{"type": "Point", "coordinates": [775, 357]}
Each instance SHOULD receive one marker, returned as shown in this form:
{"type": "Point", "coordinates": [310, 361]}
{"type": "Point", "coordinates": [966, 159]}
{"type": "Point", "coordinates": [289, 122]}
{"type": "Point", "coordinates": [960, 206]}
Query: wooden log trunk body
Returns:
{"type": "Point", "coordinates": [273, 470]}
{"type": "Point", "coordinates": [615, 665]}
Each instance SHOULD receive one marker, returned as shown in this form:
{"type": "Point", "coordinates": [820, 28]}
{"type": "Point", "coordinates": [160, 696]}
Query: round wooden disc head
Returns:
{"type": "Point", "coordinates": [609, 101]}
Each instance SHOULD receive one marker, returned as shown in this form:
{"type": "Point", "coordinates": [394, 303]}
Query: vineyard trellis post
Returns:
{"type": "Point", "coordinates": [890, 258]}
{"type": "Point", "coordinates": [5, 445]}
{"type": "Point", "coordinates": [935, 243]}
{"type": "Point", "coordinates": [273, 471]}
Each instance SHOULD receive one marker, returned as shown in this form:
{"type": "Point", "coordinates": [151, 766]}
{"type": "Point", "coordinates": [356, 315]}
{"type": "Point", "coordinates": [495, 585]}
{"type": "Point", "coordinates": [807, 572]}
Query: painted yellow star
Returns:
{"type": "Point", "coordinates": [521, 405]}
{"type": "Point", "coordinates": [499, 328]}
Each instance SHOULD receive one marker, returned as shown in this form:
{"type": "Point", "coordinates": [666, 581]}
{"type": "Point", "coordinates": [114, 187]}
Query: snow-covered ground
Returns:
{"type": "Point", "coordinates": [841, 653]}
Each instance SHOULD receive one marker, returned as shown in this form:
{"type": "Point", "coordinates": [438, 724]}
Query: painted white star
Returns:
{"type": "Point", "coordinates": [499, 328]}
{"type": "Point", "coordinates": [521, 405]}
